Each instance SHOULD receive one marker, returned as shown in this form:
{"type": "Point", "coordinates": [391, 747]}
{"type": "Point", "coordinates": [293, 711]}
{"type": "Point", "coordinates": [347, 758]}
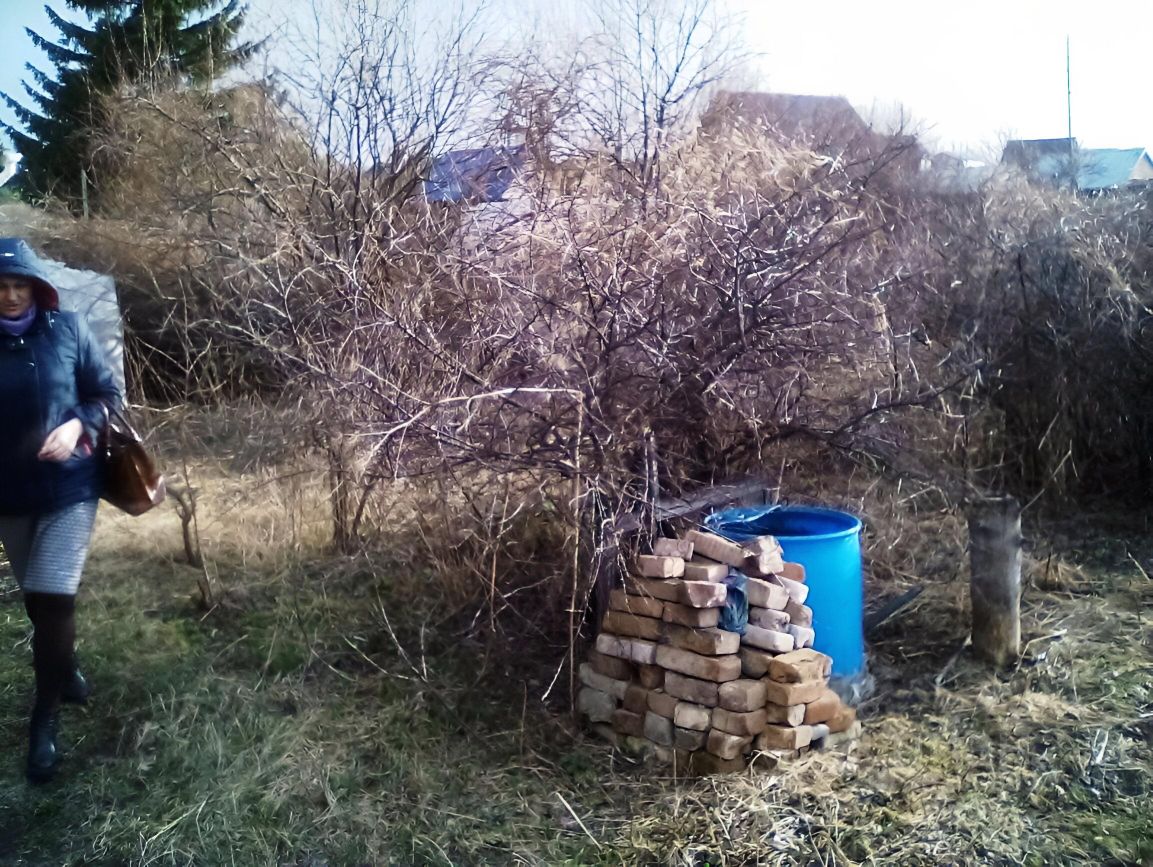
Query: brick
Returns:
{"type": "Point", "coordinates": [802, 615]}
{"type": "Point", "coordinates": [793, 693]}
{"type": "Point", "coordinates": [767, 639]}
{"type": "Point", "coordinates": [693, 716]}
{"type": "Point", "coordinates": [716, 548]}
{"type": "Point", "coordinates": [714, 668]}
{"type": "Point", "coordinates": [823, 708]}
{"type": "Point", "coordinates": [726, 746]}
{"type": "Point", "coordinates": [590, 677]}
{"type": "Point", "coordinates": [794, 572]}
{"type": "Point", "coordinates": [742, 695]}
{"type": "Point", "coordinates": [596, 705]}
{"type": "Point", "coordinates": [784, 737]}
{"type": "Point", "coordinates": [632, 649]}
{"type": "Point", "coordinates": [710, 642]}
{"type": "Point", "coordinates": [701, 569]}
{"type": "Point", "coordinates": [611, 666]}
{"type": "Point", "coordinates": [662, 704]}
{"type": "Point", "coordinates": [659, 729]}
{"type": "Point", "coordinates": [754, 663]}
{"type": "Point", "coordinates": [636, 699]}
{"type": "Point", "coordinates": [651, 676]}
{"type": "Point", "coordinates": [688, 739]}
{"type": "Point", "coordinates": [632, 625]}
{"type": "Point", "coordinates": [737, 723]}
{"type": "Point", "coordinates": [843, 719]}
{"type": "Point", "coordinates": [769, 618]}
{"type": "Point", "coordinates": [666, 590]}
{"type": "Point", "coordinates": [666, 547]}
{"type": "Point", "coordinates": [704, 763]}
{"type": "Point", "coordinates": [628, 723]}
{"type": "Point", "coordinates": [701, 618]}
{"type": "Point", "coordinates": [802, 635]}
{"type": "Point", "coordinates": [690, 689]}
{"type": "Point", "coordinates": [850, 734]}
{"type": "Point", "coordinates": [795, 589]}
{"type": "Point", "coordinates": [703, 594]}
{"type": "Point", "coordinates": [645, 606]}
{"type": "Point", "coordinates": [800, 666]}
{"type": "Point", "coordinates": [785, 714]}
{"type": "Point", "coordinates": [655, 566]}
{"type": "Point", "coordinates": [763, 557]}
{"type": "Point", "coordinates": [765, 594]}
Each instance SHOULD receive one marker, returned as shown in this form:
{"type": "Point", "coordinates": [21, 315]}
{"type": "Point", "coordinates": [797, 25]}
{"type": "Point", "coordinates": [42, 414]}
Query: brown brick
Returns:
{"type": "Point", "coordinates": [769, 618]}
{"type": "Point", "coordinates": [589, 676]}
{"type": "Point", "coordinates": [765, 594]}
{"type": "Point", "coordinates": [714, 668]}
{"type": "Point", "coordinates": [742, 695]}
{"type": "Point", "coordinates": [754, 663]}
{"type": "Point", "coordinates": [651, 676]}
{"type": "Point", "coordinates": [710, 642]}
{"type": "Point", "coordinates": [763, 557]}
{"type": "Point", "coordinates": [795, 589]}
{"type": "Point", "coordinates": [667, 590]}
{"type": "Point", "coordinates": [800, 666]}
{"type": "Point", "coordinates": [654, 566]}
{"type": "Point", "coordinates": [659, 729]}
{"type": "Point", "coordinates": [693, 716]}
{"type": "Point", "coordinates": [802, 635]}
{"type": "Point", "coordinates": [645, 606]}
{"type": "Point", "coordinates": [786, 715]}
{"type": "Point", "coordinates": [704, 763]}
{"type": "Point", "coordinates": [767, 639]}
{"type": "Point", "coordinates": [690, 689]}
{"type": "Point", "coordinates": [631, 625]}
{"type": "Point", "coordinates": [794, 572]}
{"type": "Point", "coordinates": [632, 649]}
{"type": "Point", "coordinates": [611, 666]}
{"type": "Point", "coordinates": [687, 739]}
{"type": "Point", "coordinates": [784, 737]}
{"type": "Point", "coordinates": [716, 548]}
{"type": "Point", "coordinates": [596, 705]}
{"type": "Point", "coordinates": [823, 708]}
{"type": "Point", "coordinates": [702, 569]}
{"type": "Point", "coordinates": [665, 547]}
{"type": "Point", "coordinates": [843, 719]}
{"type": "Point", "coordinates": [661, 703]}
{"type": "Point", "coordinates": [802, 615]}
{"type": "Point", "coordinates": [727, 746]}
{"type": "Point", "coordinates": [636, 699]}
{"type": "Point", "coordinates": [736, 723]}
{"type": "Point", "coordinates": [793, 693]}
{"type": "Point", "coordinates": [703, 594]}
{"type": "Point", "coordinates": [628, 723]}
{"type": "Point", "coordinates": [701, 618]}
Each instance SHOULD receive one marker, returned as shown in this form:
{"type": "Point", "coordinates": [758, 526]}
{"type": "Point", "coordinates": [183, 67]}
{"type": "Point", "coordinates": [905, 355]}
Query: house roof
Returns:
{"type": "Point", "coordinates": [473, 174]}
{"type": "Point", "coordinates": [1102, 168]}
{"type": "Point", "coordinates": [1053, 159]}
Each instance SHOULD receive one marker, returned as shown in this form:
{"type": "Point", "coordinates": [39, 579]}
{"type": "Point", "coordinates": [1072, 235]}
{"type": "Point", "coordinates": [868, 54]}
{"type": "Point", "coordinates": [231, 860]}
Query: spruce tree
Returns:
{"type": "Point", "coordinates": [126, 43]}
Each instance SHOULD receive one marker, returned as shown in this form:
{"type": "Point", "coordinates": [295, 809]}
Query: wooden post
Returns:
{"type": "Point", "coordinates": [995, 563]}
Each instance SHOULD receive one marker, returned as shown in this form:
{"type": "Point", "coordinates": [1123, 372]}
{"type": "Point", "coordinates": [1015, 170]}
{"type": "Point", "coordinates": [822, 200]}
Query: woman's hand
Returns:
{"type": "Point", "coordinates": [61, 443]}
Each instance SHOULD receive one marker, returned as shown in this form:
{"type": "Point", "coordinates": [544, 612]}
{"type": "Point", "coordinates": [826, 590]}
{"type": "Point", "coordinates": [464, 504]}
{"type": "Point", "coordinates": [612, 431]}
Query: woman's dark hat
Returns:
{"type": "Point", "coordinates": [18, 260]}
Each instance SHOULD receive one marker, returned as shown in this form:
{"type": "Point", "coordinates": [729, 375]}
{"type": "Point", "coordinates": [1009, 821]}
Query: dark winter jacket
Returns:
{"type": "Point", "coordinates": [53, 373]}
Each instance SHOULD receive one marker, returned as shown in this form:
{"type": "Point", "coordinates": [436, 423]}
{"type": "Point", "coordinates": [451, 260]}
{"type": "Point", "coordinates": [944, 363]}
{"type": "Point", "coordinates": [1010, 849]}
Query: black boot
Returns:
{"type": "Point", "coordinates": [43, 756]}
{"type": "Point", "coordinates": [76, 688]}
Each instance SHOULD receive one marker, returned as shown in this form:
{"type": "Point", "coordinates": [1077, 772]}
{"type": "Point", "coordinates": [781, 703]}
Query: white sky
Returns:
{"type": "Point", "coordinates": [970, 74]}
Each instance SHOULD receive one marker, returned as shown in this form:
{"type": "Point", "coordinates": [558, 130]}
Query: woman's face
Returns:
{"type": "Point", "coordinates": [15, 296]}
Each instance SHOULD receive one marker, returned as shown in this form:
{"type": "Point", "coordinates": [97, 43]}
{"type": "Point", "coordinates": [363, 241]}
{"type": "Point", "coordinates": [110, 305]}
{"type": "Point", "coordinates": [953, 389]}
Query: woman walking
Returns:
{"type": "Point", "coordinates": [54, 384]}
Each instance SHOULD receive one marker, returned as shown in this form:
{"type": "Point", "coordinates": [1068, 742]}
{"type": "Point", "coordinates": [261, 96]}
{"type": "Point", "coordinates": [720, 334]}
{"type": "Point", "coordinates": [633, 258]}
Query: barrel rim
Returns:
{"type": "Point", "coordinates": [854, 527]}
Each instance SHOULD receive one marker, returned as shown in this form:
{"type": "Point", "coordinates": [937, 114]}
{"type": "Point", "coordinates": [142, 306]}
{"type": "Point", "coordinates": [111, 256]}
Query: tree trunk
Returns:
{"type": "Point", "coordinates": [995, 562]}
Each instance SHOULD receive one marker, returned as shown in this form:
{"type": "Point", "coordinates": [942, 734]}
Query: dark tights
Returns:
{"type": "Point", "coordinates": [53, 644]}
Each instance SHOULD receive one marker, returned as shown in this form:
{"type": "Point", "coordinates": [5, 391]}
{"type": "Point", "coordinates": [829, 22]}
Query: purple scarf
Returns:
{"type": "Point", "coordinates": [18, 326]}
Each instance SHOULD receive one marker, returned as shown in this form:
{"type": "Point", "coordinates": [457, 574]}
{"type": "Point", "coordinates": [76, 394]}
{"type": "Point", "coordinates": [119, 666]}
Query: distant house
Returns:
{"type": "Point", "coordinates": [474, 175]}
{"type": "Point", "coordinates": [826, 125]}
{"type": "Point", "coordinates": [1061, 162]}
{"type": "Point", "coordinates": [9, 165]}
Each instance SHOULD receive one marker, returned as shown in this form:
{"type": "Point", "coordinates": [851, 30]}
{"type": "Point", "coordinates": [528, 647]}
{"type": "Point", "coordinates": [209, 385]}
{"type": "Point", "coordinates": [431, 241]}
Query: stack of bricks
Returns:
{"type": "Point", "coordinates": [663, 674]}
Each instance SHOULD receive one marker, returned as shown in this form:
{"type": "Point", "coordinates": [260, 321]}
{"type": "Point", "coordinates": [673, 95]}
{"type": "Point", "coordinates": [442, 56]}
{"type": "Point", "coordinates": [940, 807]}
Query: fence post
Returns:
{"type": "Point", "coordinates": [995, 565]}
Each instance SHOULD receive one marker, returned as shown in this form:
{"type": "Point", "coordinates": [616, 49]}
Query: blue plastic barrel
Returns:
{"type": "Point", "coordinates": [828, 544]}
